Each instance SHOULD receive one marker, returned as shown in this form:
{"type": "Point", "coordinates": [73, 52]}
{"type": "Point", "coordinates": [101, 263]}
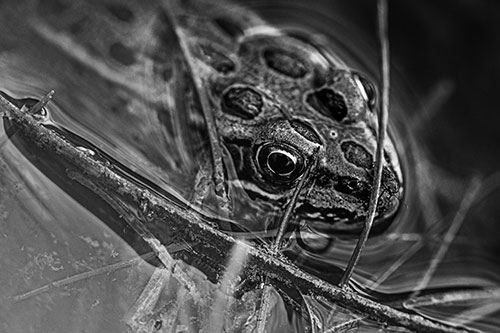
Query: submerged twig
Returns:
{"type": "Point", "coordinates": [82, 276]}
{"type": "Point", "coordinates": [450, 235]}
{"type": "Point", "coordinates": [383, 119]}
{"type": "Point", "coordinates": [488, 294]}
{"type": "Point", "coordinates": [488, 299]}
{"type": "Point", "coordinates": [440, 94]}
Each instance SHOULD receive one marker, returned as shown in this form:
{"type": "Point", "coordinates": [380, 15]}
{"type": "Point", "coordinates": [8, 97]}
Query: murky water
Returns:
{"type": "Point", "coordinates": [70, 260]}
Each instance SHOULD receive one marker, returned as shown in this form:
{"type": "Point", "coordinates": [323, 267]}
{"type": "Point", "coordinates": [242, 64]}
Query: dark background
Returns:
{"type": "Point", "coordinates": [458, 41]}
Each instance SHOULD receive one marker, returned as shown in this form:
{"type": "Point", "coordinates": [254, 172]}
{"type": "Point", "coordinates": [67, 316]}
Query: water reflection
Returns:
{"type": "Point", "coordinates": [52, 233]}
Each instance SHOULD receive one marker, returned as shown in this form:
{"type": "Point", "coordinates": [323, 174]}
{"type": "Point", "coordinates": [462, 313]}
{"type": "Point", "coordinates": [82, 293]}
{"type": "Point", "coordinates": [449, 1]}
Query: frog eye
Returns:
{"type": "Point", "coordinates": [279, 163]}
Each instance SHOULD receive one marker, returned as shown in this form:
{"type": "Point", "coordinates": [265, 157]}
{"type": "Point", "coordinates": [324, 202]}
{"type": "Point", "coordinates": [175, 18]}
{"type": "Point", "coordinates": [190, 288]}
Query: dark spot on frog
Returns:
{"type": "Point", "coordinates": [121, 12]}
{"type": "Point", "coordinates": [229, 27]}
{"type": "Point", "coordinates": [122, 54]}
{"type": "Point", "coordinates": [216, 59]}
{"type": "Point", "coordinates": [357, 154]}
{"type": "Point", "coordinates": [285, 62]}
{"type": "Point", "coordinates": [53, 6]}
{"type": "Point", "coordinates": [328, 102]}
{"type": "Point", "coordinates": [306, 131]}
{"type": "Point", "coordinates": [353, 186]}
{"type": "Point", "coordinates": [243, 102]}
{"type": "Point", "coordinates": [158, 325]}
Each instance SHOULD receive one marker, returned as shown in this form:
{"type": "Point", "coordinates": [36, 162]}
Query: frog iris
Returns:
{"type": "Point", "coordinates": [279, 163]}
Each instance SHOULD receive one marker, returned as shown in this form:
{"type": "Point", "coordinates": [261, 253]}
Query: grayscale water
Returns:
{"type": "Point", "coordinates": [66, 268]}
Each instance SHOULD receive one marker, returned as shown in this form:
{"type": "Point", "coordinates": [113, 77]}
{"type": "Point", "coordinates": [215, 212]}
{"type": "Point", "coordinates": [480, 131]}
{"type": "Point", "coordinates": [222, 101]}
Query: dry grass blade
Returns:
{"type": "Point", "coordinates": [144, 305]}
{"type": "Point", "coordinates": [491, 294]}
{"type": "Point", "coordinates": [484, 302]}
{"type": "Point", "coordinates": [276, 246]}
{"type": "Point", "coordinates": [215, 144]}
{"type": "Point", "coordinates": [450, 235]}
{"type": "Point", "coordinates": [383, 119]}
{"type": "Point", "coordinates": [82, 276]}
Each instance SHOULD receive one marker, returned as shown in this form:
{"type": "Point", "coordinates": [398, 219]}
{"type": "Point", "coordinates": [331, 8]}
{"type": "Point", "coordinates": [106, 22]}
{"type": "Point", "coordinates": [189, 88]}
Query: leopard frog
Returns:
{"type": "Point", "coordinates": [160, 73]}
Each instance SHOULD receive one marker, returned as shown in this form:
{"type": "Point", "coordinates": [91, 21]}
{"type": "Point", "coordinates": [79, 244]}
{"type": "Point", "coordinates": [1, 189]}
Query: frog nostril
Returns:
{"type": "Point", "coordinates": [281, 162]}
{"type": "Point", "coordinates": [353, 186]}
{"type": "Point", "coordinates": [328, 102]}
{"type": "Point", "coordinates": [284, 62]}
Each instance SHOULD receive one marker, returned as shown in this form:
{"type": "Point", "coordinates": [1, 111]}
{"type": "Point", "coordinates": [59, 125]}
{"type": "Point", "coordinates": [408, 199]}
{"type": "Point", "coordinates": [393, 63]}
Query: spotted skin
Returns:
{"type": "Point", "coordinates": [279, 104]}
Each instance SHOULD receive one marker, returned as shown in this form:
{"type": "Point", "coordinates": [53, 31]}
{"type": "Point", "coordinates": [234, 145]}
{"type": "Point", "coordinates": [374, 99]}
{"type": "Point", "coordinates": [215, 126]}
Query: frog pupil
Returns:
{"type": "Point", "coordinates": [281, 163]}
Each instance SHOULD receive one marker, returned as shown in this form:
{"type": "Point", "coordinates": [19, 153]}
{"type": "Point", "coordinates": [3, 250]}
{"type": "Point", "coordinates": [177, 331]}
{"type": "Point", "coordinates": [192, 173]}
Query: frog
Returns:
{"type": "Point", "coordinates": [283, 105]}
{"type": "Point", "coordinates": [282, 108]}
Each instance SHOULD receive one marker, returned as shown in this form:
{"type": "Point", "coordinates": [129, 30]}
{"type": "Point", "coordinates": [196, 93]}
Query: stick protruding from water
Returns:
{"type": "Point", "coordinates": [383, 118]}
{"type": "Point", "coordinates": [43, 102]}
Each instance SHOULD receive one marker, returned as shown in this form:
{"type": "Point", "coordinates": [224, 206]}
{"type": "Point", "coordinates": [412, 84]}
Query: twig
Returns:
{"type": "Point", "coordinates": [291, 206]}
{"type": "Point", "coordinates": [383, 118]}
{"type": "Point", "coordinates": [82, 276]}
{"type": "Point", "coordinates": [169, 221]}
{"type": "Point", "coordinates": [276, 246]}
{"type": "Point", "coordinates": [42, 103]}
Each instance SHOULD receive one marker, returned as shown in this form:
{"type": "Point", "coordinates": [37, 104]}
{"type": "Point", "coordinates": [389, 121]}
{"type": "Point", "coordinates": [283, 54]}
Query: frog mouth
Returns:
{"type": "Point", "coordinates": [341, 220]}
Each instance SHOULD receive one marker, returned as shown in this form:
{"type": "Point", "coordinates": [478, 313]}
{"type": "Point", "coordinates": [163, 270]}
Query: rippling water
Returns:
{"type": "Point", "coordinates": [66, 267]}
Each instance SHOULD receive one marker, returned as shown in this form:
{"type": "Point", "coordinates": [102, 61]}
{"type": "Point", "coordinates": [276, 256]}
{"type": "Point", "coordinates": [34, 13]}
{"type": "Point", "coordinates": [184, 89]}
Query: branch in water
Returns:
{"type": "Point", "coordinates": [170, 221]}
